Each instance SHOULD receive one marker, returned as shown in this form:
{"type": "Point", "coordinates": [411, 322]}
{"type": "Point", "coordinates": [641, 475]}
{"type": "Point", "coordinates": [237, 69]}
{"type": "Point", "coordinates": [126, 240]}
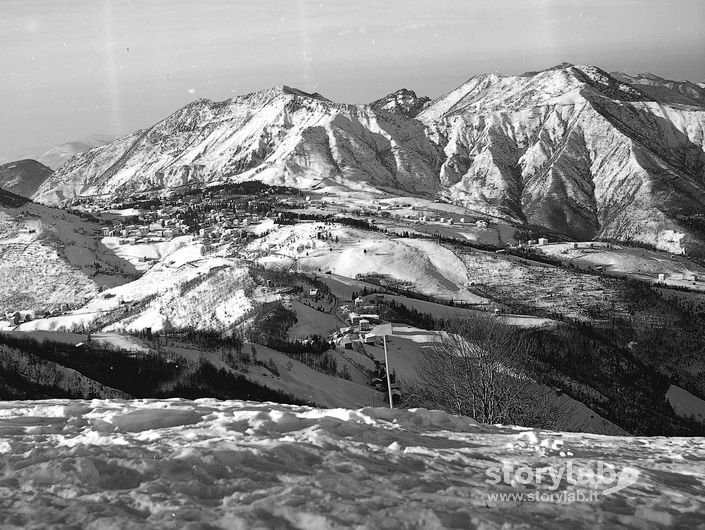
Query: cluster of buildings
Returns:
{"type": "Point", "coordinates": [538, 242]}
{"type": "Point", "coordinates": [686, 276]}
{"type": "Point", "coordinates": [131, 233]}
{"type": "Point", "coordinates": [211, 217]}
{"type": "Point", "coordinates": [361, 323]}
{"type": "Point", "coordinates": [16, 318]}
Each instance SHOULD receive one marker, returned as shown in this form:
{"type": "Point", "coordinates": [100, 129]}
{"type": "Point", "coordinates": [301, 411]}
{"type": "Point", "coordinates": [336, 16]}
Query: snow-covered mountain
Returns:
{"type": "Point", "coordinates": [58, 155]}
{"type": "Point", "coordinates": [574, 150]}
{"type": "Point", "coordinates": [279, 135]}
{"type": "Point", "coordinates": [238, 464]}
{"type": "Point", "coordinates": [403, 101]}
{"type": "Point", "coordinates": [23, 177]}
{"type": "Point", "coordinates": [571, 149]}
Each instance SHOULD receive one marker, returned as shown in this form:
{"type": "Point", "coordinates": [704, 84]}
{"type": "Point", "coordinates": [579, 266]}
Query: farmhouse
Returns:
{"type": "Point", "coordinates": [354, 318]}
{"type": "Point", "coordinates": [369, 339]}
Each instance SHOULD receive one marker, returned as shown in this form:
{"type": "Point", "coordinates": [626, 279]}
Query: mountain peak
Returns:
{"type": "Point", "coordinates": [280, 90]}
{"type": "Point", "coordinates": [404, 102]}
{"type": "Point", "coordinates": [296, 92]}
{"type": "Point", "coordinates": [561, 66]}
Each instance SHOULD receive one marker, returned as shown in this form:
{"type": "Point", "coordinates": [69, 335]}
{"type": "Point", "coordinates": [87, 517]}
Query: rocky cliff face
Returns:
{"type": "Point", "coordinates": [572, 149]}
{"type": "Point", "coordinates": [402, 102]}
{"type": "Point", "coordinates": [280, 136]}
{"type": "Point", "coordinates": [576, 151]}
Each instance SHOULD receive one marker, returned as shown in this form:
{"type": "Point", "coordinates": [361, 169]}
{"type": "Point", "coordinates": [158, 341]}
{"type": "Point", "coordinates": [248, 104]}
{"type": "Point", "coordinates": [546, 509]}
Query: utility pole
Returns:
{"type": "Point", "coordinates": [386, 362]}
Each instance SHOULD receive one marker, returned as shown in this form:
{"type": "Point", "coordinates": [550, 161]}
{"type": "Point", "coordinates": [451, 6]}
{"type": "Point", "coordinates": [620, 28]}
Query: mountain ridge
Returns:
{"type": "Point", "coordinates": [574, 150]}
{"type": "Point", "coordinates": [321, 140]}
{"type": "Point", "coordinates": [571, 148]}
{"type": "Point", "coordinates": [58, 155]}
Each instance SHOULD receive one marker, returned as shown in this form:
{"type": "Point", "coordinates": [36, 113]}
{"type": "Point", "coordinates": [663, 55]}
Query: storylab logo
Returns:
{"type": "Point", "coordinates": [591, 481]}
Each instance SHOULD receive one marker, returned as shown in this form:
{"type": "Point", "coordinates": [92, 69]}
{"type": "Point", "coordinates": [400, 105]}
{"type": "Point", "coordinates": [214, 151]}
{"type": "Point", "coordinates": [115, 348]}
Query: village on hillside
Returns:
{"type": "Point", "coordinates": [224, 218]}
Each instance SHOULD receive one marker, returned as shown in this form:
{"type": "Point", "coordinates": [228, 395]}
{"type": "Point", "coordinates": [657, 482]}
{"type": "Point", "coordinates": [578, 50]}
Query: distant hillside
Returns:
{"type": "Point", "coordinates": [10, 200]}
{"type": "Point", "coordinates": [23, 177]}
{"type": "Point", "coordinates": [58, 155]}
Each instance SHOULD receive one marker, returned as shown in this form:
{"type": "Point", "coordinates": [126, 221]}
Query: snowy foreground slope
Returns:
{"type": "Point", "coordinates": [186, 464]}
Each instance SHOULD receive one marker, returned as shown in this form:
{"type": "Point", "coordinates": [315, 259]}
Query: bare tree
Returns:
{"type": "Point", "coordinates": [482, 368]}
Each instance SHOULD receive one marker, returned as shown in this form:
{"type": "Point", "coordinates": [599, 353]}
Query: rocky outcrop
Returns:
{"type": "Point", "coordinates": [402, 102]}
{"type": "Point", "coordinates": [576, 151]}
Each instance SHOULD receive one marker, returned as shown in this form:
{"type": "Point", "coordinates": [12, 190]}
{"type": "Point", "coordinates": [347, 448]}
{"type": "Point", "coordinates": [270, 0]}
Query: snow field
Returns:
{"type": "Point", "coordinates": [177, 463]}
{"type": "Point", "coordinates": [428, 267]}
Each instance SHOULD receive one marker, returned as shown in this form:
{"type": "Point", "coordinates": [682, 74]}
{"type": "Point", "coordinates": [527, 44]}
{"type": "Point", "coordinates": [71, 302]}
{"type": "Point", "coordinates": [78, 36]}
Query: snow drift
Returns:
{"type": "Point", "coordinates": [206, 463]}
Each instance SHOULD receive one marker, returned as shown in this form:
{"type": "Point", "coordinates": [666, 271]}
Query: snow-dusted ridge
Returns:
{"type": "Point", "coordinates": [572, 149]}
{"type": "Point", "coordinates": [278, 135]}
{"type": "Point", "coordinates": [575, 150]}
{"type": "Point", "coordinates": [177, 463]}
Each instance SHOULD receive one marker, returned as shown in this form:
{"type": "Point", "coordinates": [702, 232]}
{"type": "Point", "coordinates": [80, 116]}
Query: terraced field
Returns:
{"type": "Point", "coordinates": [523, 284]}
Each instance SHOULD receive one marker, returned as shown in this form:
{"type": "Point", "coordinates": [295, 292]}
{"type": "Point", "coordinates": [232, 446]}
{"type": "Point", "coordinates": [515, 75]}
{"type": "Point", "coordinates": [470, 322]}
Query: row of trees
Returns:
{"type": "Point", "coordinates": [139, 375]}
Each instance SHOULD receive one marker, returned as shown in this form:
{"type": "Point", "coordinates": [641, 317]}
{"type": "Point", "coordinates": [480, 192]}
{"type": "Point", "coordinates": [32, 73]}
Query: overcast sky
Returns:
{"type": "Point", "coordinates": [72, 68]}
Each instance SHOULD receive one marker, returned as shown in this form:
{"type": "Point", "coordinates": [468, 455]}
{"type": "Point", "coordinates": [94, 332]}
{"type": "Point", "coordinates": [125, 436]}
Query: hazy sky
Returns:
{"type": "Point", "coordinates": [72, 68]}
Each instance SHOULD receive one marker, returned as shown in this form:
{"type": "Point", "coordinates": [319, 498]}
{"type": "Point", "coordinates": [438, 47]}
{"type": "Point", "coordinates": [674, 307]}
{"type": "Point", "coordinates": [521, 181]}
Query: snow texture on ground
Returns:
{"type": "Point", "coordinates": [212, 464]}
